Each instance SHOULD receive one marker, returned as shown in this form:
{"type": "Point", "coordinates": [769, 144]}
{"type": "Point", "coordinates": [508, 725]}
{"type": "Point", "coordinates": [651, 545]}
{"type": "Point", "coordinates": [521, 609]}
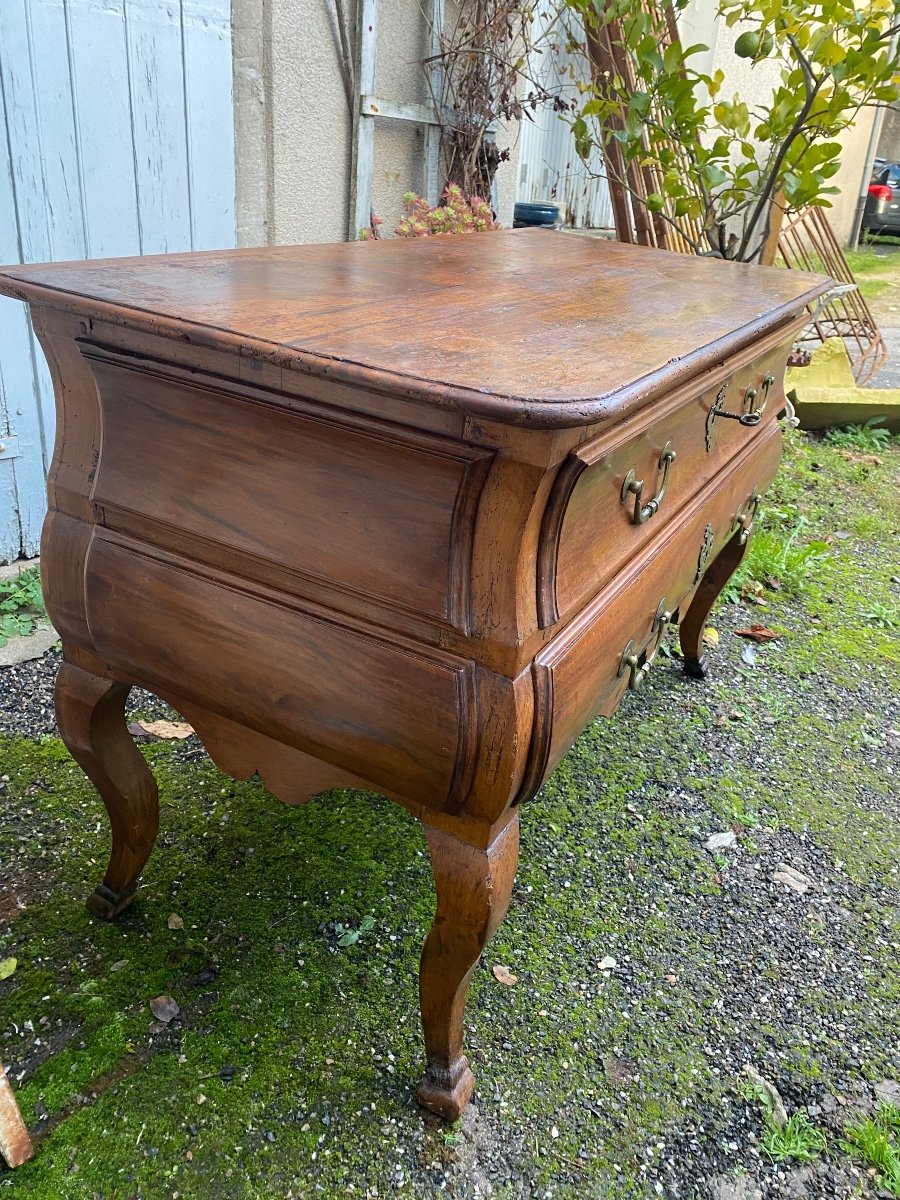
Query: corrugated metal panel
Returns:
{"type": "Point", "coordinates": [117, 131]}
{"type": "Point", "coordinates": [549, 168]}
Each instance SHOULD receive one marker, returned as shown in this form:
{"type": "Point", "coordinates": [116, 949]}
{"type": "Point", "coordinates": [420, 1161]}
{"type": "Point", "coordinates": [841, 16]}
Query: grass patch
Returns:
{"type": "Point", "coordinates": [876, 1143]}
{"type": "Point", "coordinates": [799, 1140]}
{"type": "Point", "coordinates": [778, 556]}
{"type": "Point", "coordinates": [871, 289]}
{"type": "Point", "coordinates": [21, 604]}
{"type": "Point", "coordinates": [867, 261]}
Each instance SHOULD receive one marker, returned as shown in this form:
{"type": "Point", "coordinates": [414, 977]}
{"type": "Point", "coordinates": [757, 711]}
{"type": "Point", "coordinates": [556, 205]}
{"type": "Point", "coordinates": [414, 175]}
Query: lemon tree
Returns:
{"type": "Point", "coordinates": [718, 162]}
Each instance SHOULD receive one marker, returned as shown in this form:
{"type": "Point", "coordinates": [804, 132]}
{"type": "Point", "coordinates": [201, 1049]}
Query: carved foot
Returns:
{"type": "Point", "coordinates": [90, 713]}
{"type": "Point", "coordinates": [443, 1094]}
{"type": "Point", "coordinates": [473, 888]}
{"type": "Point", "coordinates": [107, 904]}
{"type": "Point", "coordinates": [696, 668]}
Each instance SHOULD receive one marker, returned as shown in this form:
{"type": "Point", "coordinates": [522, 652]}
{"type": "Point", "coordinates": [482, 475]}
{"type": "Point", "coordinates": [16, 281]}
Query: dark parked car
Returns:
{"type": "Point", "coordinates": [882, 214]}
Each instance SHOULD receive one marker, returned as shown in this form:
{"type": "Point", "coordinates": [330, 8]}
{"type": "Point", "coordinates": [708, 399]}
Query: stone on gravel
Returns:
{"type": "Point", "coordinates": [737, 1187]}
{"type": "Point", "coordinates": [722, 841]}
{"type": "Point", "coordinates": [164, 1008]}
{"type": "Point", "coordinates": [888, 1091]}
{"type": "Point", "coordinates": [26, 649]}
{"type": "Point", "coordinates": [771, 1092]}
{"type": "Point", "coordinates": [795, 880]}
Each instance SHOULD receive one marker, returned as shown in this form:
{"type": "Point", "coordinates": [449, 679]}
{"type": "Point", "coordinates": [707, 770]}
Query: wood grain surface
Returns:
{"type": "Point", "coordinates": [524, 326]}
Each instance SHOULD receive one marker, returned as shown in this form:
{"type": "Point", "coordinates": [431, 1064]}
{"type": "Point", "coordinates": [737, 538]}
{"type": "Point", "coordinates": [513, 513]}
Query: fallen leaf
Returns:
{"type": "Point", "coordinates": [671, 979]}
{"type": "Point", "coordinates": [748, 655]}
{"type": "Point", "coordinates": [164, 1008]}
{"type": "Point", "coordinates": [7, 967]}
{"type": "Point", "coordinates": [201, 1099]}
{"type": "Point", "coordinates": [120, 965]}
{"type": "Point", "coordinates": [722, 841]}
{"type": "Point", "coordinates": [504, 975]}
{"type": "Point", "coordinates": [773, 584]}
{"type": "Point", "coordinates": [869, 460]}
{"type": "Point", "coordinates": [607, 964]}
{"type": "Point", "coordinates": [758, 633]}
{"type": "Point", "coordinates": [710, 636]}
{"type": "Point", "coordinates": [162, 729]}
{"type": "Point", "coordinates": [174, 921]}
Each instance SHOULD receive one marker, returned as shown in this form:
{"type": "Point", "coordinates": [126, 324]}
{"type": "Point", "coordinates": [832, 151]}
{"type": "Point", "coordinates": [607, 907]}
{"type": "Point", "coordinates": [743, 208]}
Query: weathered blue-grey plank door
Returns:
{"type": "Point", "coordinates": [117, 138]}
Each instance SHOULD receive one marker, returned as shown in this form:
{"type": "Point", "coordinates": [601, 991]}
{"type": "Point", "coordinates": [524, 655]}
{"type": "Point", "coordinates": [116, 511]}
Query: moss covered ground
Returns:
{"type": "Point", "coordinates": [290, 1070]}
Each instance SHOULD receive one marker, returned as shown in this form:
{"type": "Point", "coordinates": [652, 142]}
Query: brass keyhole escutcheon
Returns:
{"type": "Point", "coordinates": [749, 419]}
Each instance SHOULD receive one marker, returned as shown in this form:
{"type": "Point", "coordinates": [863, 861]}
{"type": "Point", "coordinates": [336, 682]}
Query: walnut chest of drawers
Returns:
{"type": "Point", "coordinates": [397, 516]}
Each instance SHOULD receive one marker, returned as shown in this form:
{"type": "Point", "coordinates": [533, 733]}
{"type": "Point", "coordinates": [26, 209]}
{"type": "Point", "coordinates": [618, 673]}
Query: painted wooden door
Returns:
{"type": "Point", "coordinates": [117, 128]}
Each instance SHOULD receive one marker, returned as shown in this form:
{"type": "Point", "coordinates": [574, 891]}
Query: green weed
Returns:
{"type": "Point", "coordinates": [778, 553]}
{"type": "Point", "coordinates": [882, 616]}
{"type": "Point", "coordinates": [876, 1141]}
{"type": "Point", "coordinates": [798, 1140]}
{"type": "Point", "coordinates": [21, 604]}
{"type": "Point", "coordinates": [870, 438]}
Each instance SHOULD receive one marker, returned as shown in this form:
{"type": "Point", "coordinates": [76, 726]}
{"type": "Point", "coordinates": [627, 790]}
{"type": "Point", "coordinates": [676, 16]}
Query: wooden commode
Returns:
{"type": "Point", "coordinates": [401, 516]}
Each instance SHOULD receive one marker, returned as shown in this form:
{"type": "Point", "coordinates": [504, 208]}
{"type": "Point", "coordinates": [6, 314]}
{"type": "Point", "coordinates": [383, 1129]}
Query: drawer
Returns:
{"type": "Point", "coordinates": [378, 511]}
{"type": "Point", "coordinates": [382, 711]}
{"type": "Point", "coordinates": [613, 495]}
{"type": "Point", "coordinates": [581, 673]}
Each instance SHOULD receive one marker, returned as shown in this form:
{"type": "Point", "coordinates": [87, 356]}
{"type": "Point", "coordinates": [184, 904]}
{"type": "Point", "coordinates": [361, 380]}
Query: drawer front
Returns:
{"type": "Point", "coordinates": [614, 495]}
{"type": "Point", "coordinates": [581, 672]}
{"type": "Point", "coordinates": [402, 719]}
{"type": "Point", "coordinates": [384, 513]}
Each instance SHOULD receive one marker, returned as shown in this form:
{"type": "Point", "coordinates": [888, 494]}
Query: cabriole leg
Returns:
{"type": "Point", "coordinates": [90, 713]}
{"type": "Point", "coordinates": [473, 889]}
{"type": "Point", "coordinates": [690, 630]}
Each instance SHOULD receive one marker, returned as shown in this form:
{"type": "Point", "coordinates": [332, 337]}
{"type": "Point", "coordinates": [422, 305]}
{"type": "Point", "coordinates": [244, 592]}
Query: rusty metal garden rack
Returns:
{"type": "Point", "coordinates": [808, 243]}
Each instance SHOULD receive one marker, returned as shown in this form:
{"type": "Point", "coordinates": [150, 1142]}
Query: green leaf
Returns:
{"type": "Point", "coordinates": [713, 175]}
{"type": "Point", "coordinates": [349, 938]}
{"type": "Point", "coordinates": [8, 967]}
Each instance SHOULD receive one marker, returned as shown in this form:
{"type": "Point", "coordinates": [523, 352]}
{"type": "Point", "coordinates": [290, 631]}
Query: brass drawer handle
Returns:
{"type": "Point", "coordinates": [637, 665]}
{"type": "Point", "coordinates": [745, 516]}
{"type": "Point", "coordinates": [634, 487]}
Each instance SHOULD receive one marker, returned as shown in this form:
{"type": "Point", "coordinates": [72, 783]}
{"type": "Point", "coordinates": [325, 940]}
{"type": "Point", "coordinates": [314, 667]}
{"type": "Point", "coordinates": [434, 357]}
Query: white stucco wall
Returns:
{"type": "Point", "coordinates": [293, 126]}
{"type": "Point", "coordinates": [850, 177]}
{"type": "Point", "coordinates": [754, 83]}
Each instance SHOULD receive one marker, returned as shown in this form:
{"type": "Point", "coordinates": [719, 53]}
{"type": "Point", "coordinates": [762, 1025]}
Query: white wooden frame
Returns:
{"type": "Point", "coordinates": [368, 107]}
